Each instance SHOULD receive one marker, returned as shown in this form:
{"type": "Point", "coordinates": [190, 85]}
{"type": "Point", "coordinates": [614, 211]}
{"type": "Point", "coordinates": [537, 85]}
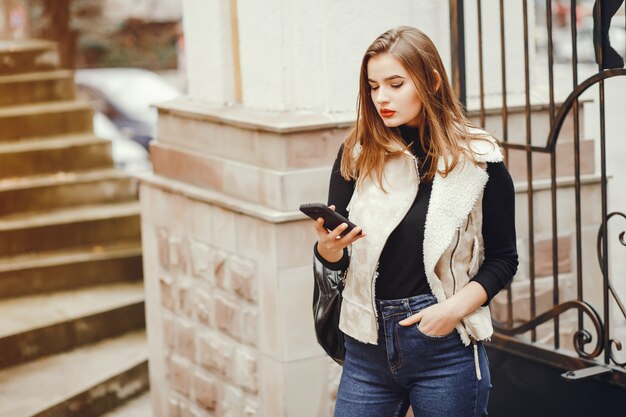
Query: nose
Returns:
{"type": "Point", "coordinates": [381, 98]}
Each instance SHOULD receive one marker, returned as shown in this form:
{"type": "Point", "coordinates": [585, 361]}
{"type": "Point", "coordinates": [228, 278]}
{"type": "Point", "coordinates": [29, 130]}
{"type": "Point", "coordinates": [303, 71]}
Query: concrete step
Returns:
{"type": "Point", "coordinates": [565, 163]}
{"type": "Point", "coordinates": [45, 120]}
{"type": "Point", "coordinates": [591, 209]}
{"type": "Point", "coordinates": [516, 121]}
{"type": "Point", "coordinates": [63, 153]}
{"type": "Point", "coordinates": [65, 189]}
{"type": "Point", "coordinates": [27, 55]}
{"type": "Point", "coordinates": [85, 382]}
{"type": "Point", "coordinates": [39, 325]}
{"type": "Point", "coordinates": [36, 87]}
{"type": "Point", "coordinates": [69, 227]}
{"type": "Point", "coordinates": [70, 269]}
{"type": "Point", "coordinates": [139, 407]}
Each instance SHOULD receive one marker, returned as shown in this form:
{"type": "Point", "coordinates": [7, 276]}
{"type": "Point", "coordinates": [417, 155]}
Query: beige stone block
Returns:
{"type": "Point", "coordinates": [200, 256]}
{"type": "Point", "coordinates": [199, 215]}
{"type": "Point", "coordinates": [308, 397]}
{"type": "Point", "coordinates": [276, 151]}
{"type": "Point", "coordinates": [186, 339]}
{"type": "Point", "coordinates": [179, 253]}
{"type": "Point", "coordinates": [243, 370]}
{"type": "Point", "coordinates": [226, 314]}
{"type": "Point", "coordinates": [224, 232]}
{"type": "Point", "coordinates": [172, 407]}
{"type": "Point", "coordinates": [180, 374]}
{"type": "Point", "coordinates": [270, 150]}
{"type": "Point", "coordinates": [187, 166]}
{"type": "Point", "coordinates": [246, 181]}
{"type": "Point", "coordinates": [314, 148]}
{"type": "Point", "coordinates": [295, 294]}
{"type": "Point", "coordinates": [205, 389]}
{"type": "Point", "coordinates": [176, 406]}
{"type": "Point", "coordinates": [168, 329]}
{"type": "Point", "coordinates": [269, 329]}
{"type": "Point", "coordinates": [304, 186]}
{"type": "Point", "coordinates": [164, 247]}
{"type": "Point", "coordinates": [334, 377]}
{"type": "Point", "coordinates": [272, 385]}
{"type": "Point", "coordinates": [221, 269]}
{"type": "Point", "coordinates": [256, 238]}
{"type": "Point", "coordinates": [204, 306]}
{"type": "Point", "coordinates": [248, 328]}
{"type": "Point", "coordinates": [205, 137]}
{"type": "Point", "coordinates": [274, 192]}
{"type": "Point", "coordinates": [215, 352]}
{"type": "Point", "coordinates": [168, 299]}
{"type": "Point", "coordinates": [295, 242]}
{"type": "Point", "coordinates": [186, 297]}
{"type": "Point", "coordinates": [251, 409]}
{"type": "Point", "coordinates": [232, 402]}
{"type": "Point", "coordinates": [243, 278]}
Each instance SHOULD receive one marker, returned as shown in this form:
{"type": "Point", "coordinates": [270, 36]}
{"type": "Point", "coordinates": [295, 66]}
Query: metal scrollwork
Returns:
{"type": "Point", "coordinates": [581, 338]}
{"type": "Point", "coordinates": [618, 346]}
{"type": "Point", "coordinates": [613, 345]}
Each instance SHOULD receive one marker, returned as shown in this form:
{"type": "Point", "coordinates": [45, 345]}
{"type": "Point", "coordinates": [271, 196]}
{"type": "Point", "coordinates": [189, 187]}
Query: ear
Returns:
{"type": "Point", "coordinates": [438, 80]}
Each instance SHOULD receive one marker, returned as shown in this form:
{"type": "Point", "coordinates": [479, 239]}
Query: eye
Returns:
{"type": "Point", "coordinates": [397, 85]}
{"type": "Point", "coordinates": [373, 88]}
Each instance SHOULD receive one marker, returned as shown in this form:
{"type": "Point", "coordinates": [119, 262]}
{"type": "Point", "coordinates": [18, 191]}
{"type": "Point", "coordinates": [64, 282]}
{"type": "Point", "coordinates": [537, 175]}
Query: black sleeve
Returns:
{"type": "Point", "coordinates": [339, 193]}
{"type": "Point", "coordinates": [501, 260]}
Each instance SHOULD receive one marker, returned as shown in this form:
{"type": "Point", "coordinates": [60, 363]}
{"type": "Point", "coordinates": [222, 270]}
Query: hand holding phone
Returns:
{"type": "Point", "coordinates": [332, 219]}
{"type": "Point", "coordinates": [335, 231]}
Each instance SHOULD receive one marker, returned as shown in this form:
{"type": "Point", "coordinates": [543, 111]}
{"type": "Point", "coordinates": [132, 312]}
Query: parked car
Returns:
{"type": "Point", "coordinates": [127, 154]}
{"type": "Point", "coordinates": [126, 96]}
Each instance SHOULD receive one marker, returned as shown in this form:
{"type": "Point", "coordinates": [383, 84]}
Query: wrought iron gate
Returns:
{"type": "Point", "coordinates": [594, 346]}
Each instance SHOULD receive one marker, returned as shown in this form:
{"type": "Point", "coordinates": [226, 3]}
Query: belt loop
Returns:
{"type": "Point", "coordinates": [407, 306]}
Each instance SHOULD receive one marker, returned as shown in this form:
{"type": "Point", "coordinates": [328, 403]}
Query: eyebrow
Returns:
{"type": "Point", "coordinates": [386, 79]}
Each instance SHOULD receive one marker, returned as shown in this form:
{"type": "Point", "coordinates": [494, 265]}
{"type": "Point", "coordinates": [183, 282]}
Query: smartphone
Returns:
{"type": "Point", "coordinates": [331, 219]}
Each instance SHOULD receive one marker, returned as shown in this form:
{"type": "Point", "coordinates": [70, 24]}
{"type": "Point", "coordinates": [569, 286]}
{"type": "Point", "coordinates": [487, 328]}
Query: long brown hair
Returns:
{"type": "Point", "coordinates": [441, 115]}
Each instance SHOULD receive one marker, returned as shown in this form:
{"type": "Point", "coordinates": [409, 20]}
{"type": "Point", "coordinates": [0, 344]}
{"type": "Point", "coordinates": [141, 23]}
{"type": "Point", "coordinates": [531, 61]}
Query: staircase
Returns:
{"type": "Point", "coordinates": [71, 295]}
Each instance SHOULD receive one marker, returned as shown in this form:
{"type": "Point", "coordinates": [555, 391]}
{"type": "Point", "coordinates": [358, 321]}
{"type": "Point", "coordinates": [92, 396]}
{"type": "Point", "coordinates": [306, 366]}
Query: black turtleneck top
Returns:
{"type": "Point", "coordinates": [401, 265]}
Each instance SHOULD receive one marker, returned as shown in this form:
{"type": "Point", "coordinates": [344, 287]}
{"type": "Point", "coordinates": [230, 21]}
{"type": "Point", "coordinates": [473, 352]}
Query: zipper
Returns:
{"type": "Point", "coordinates": [372, 279]}
{"type": "Point", "coordinates": [458, 238]}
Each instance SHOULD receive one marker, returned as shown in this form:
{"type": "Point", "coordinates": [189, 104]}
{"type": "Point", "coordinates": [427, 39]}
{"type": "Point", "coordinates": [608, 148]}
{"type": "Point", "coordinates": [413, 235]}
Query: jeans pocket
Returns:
{"type": "Point", "coordinates": [433, 337]}
{"type": "Point", "coordinates": [426, 335]}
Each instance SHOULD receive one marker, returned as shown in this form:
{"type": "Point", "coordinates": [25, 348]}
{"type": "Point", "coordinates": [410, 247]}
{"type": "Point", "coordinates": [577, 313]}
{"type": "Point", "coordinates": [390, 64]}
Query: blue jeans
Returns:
{"type": "Point", "coordinates": [435, 375]}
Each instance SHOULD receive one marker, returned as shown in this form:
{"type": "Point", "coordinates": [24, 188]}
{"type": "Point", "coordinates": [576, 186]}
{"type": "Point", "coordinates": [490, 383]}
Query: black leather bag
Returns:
{"type": "Point", "coordinates": [327, 289]}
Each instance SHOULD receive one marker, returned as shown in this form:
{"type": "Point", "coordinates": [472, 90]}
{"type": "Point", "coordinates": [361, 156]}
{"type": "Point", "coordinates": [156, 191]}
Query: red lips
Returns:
{"type": "Point", "coordinates": [386, 112]}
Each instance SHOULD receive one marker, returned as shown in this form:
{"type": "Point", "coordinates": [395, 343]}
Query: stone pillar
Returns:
{"type": "Point", "coordinates": [227, 254]}
{"type": "Point", "coordinates": [227, 260]}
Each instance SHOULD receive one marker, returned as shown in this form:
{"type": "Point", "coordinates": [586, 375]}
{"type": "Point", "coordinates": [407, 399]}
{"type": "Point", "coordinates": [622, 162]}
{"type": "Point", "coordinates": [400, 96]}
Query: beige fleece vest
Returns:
{"type": "Point", "coordinates": [453, 246]}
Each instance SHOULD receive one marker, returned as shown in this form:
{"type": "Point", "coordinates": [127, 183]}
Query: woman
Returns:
{"type": "Point", "coordinates": [436, 206]}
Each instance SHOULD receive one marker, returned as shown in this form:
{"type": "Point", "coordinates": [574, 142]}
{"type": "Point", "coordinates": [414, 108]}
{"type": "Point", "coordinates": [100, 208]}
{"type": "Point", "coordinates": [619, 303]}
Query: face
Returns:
{"type": "Point", "coordinates": [393, 92]}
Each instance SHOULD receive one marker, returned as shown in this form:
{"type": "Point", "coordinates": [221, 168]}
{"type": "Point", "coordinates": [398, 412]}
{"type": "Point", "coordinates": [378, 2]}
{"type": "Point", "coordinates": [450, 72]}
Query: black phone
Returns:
{"type": "Point", "coordinates": [331, 218]}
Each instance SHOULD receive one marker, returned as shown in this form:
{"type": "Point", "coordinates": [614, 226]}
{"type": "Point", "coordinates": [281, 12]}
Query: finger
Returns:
{"type": "Point", "coordinates": [332, 207]}
{"type": "Point", "coordinates": [319, 226]}
{"type": "Point", "coordinates": [409, 321]}
{"type": "Point", "coordinates": [352, 235]}
{"type": "Point", "coordinates": [337, 230]}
